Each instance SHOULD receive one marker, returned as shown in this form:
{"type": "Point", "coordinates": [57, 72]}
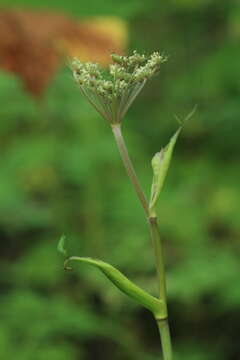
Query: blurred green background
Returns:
{"type": "Point", "coordinates": [60, 172]}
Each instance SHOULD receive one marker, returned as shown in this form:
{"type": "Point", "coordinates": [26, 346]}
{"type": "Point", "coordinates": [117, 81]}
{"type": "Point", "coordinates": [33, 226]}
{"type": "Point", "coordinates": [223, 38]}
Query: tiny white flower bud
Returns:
{"type": "Point", "coordinates": [125, 80]}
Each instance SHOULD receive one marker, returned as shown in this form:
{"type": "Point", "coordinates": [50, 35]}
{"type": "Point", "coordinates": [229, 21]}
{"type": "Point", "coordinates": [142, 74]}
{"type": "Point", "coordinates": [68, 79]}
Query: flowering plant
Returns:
{"type": "Point", "coordinates": [111, 94]}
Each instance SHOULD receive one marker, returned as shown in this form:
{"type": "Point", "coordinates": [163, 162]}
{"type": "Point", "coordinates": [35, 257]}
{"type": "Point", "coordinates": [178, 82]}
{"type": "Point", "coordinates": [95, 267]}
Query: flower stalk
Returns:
{"type": "Point", "coordinates": [116, 128]}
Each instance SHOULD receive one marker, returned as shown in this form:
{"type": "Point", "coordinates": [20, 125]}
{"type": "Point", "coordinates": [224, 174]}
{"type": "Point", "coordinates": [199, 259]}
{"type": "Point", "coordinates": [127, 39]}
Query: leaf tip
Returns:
{"type": "Point", "coordinates": [182, 122]}
{"type": "Point", "coordinates": [61, 245]}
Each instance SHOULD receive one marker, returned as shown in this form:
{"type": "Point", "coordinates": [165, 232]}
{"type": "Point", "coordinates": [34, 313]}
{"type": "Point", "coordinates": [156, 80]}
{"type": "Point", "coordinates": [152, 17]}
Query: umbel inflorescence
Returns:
{"type": "Point", "coordinates": [112, 92]}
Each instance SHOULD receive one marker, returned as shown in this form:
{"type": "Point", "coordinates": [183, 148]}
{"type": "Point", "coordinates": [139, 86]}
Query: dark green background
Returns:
{"type": "Point", "coordinates": [60, 173]}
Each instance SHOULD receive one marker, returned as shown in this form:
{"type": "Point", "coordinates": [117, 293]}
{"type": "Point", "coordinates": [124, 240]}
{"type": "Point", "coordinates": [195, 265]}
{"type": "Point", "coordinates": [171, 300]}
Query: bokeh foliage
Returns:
{"type": "Point", "coordinates": [61, 173]}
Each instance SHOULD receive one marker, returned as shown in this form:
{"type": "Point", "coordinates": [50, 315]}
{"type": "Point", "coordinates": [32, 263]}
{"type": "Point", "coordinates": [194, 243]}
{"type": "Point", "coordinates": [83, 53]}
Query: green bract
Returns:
{"type": "Point", "coordinates": [112, 92]}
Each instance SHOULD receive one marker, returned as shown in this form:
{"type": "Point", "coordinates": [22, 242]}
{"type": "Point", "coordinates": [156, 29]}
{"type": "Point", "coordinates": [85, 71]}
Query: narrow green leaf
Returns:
{"type": "Point", "coordinates": [161, 162]}
{"type": "Point", "coordinates": [61, 245]}
{"type": "Point", "coordinates": [153, 304]}
{"type": "Point", "coordinates": [160, 165]}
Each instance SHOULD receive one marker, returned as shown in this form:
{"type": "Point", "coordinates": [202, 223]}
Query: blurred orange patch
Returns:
{"type": "Point", "coordinates": [33, 44]}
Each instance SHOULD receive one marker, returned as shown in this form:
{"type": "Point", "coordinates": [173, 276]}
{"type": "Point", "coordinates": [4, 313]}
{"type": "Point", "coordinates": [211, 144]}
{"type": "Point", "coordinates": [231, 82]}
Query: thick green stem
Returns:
{"type": "Point", "coordinates": [156, 240]}
{"type": "Point", "coordinates": [116, 128]}
{"type": "Point", "coordinates": [165, 339]}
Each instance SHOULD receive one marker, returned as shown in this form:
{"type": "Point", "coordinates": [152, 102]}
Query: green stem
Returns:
{"type": "Point", "coordinates": [159, 256]}
{"type": "Point", "coordinates": [165, 339]}
{"type": "Point", "coordinates": [116, 128]}
{"type": "Point", "coordinates": [158, 249]}
{"type": "Point", "coordinates": [155, 235]}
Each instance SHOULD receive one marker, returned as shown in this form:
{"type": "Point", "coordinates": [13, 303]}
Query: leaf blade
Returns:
{"type": "Point", "coordinates": [156, 306]}
{"type": "Point", "coordinates": [160, 164]}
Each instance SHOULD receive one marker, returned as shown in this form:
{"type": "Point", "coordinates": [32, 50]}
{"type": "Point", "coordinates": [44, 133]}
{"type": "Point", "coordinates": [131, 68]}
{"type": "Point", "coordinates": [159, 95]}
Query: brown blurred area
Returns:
{"type": "Point", "coordinates": [33, 44]}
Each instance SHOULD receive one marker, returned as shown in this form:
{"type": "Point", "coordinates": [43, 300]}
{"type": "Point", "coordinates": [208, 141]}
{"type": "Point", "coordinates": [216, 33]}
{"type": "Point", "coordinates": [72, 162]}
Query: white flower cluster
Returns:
{"type": "Point", "coordinates": [113, 93]}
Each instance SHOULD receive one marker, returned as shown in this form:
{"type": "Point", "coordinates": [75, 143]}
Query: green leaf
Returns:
{"type": "Point", "coordinates": [161, 162]}
{"type": "Point", "coordinates": [61, 245]}
{"type": "Point", "coordinates": [156, 306]}
{"type": "Point", "coordinates": [160, 165]}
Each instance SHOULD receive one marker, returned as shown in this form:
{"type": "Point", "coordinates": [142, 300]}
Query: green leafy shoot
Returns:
{"type": "Point", "coordinates": [153, 304]}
